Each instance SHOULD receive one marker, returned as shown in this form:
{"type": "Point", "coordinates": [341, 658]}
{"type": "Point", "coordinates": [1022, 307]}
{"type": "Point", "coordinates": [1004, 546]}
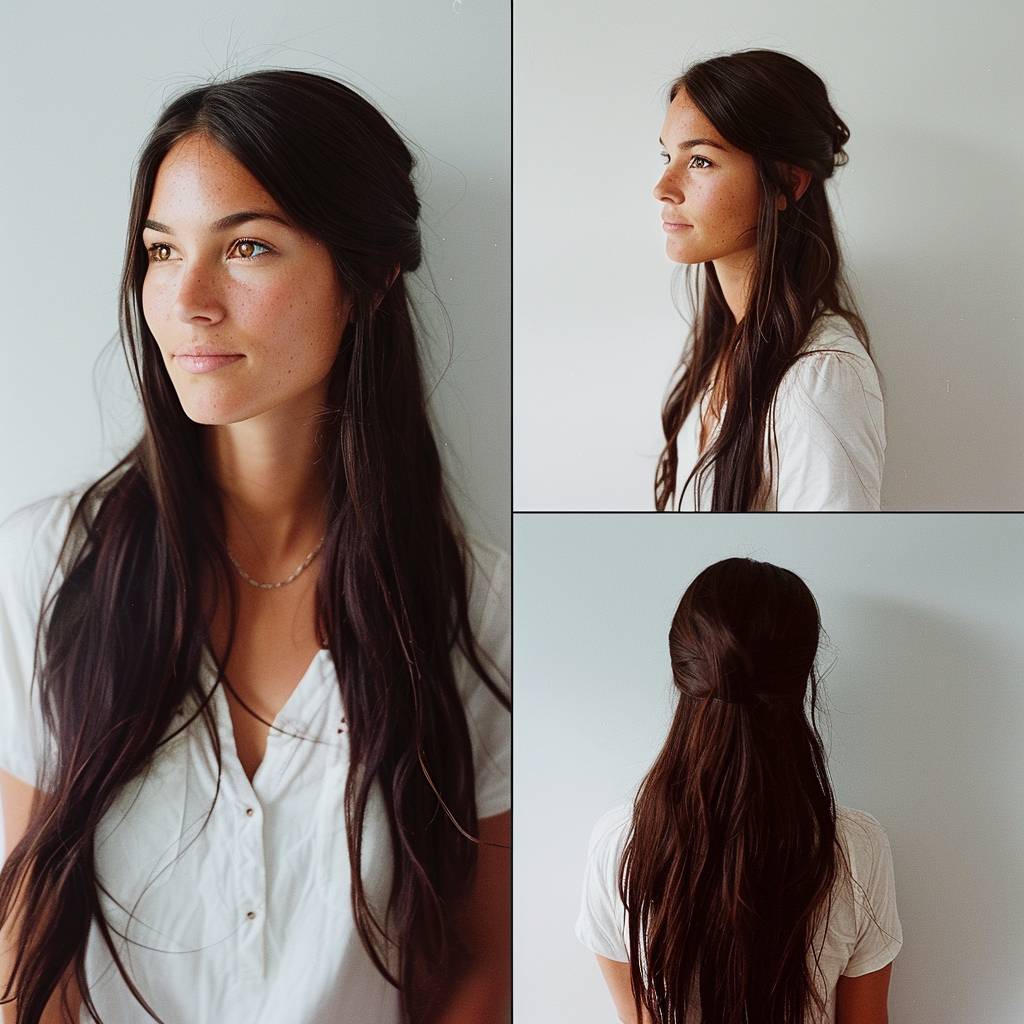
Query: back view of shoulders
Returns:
{"type": "Point", "coordinates": [862, 932]}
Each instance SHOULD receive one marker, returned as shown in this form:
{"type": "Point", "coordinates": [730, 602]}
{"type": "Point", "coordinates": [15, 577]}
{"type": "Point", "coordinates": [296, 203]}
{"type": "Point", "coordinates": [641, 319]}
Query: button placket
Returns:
{"type": "Point", "coordinates": [252, 889]}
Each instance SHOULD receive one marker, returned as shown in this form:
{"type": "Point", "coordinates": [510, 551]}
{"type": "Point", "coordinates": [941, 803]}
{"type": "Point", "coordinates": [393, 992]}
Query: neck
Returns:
{"type": "Point", "coordinates": [272, 483]}
{"type": "Point", "coordinates": [735, 273]}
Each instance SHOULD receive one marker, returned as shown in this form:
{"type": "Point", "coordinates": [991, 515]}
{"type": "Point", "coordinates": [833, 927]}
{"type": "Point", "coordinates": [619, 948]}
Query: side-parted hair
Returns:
{"type": "Point", "coordinates": [124, 632]}
{"type": "Point", "coordinates": [775, 108]}
{"type": "Point", "coordinates": [732, 851]}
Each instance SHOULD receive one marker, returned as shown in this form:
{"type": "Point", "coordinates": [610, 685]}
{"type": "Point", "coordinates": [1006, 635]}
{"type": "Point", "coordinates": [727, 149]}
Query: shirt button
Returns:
{"type": "Point", "coordinates": [249, 811]}
{"type": "Point", "coordinates": [251, 914]}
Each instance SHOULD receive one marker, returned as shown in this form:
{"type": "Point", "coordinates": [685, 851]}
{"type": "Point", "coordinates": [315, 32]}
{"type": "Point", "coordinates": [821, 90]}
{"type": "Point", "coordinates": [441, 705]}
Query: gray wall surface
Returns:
{"type": "Point", "coordinates": [929, 212]}
{"type": "Point", "coordinates": [83, 85]}
{"type": "Point", "coordinates": [925, 704]}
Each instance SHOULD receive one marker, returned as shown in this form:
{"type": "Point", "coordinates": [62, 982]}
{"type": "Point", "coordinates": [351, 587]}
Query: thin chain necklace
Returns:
{"type": "Point", "coordinates": [272, 586]}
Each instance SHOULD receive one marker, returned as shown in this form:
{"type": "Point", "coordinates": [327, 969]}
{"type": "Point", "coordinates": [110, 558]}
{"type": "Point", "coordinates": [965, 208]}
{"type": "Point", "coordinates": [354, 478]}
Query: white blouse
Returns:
{"type": "Point", "coordinates": [862, 934]}
{"type": "Point", "coordinates": [829, 426]}
{"type": "Point", "coordinates": [249, 918]}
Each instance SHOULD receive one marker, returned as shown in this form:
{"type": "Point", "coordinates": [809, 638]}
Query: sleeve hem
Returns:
{"type": "Point", "coordinates": [23, 771]}
{"type": "Point", "coordinates": [875, 963]}
{"type": "Point", "coordinates": [595, 945]}
{"type": "Point", "coordinates": [494, 806]}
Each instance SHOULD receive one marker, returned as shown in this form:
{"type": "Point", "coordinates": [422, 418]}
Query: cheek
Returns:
{"type": "Point", "coordinates": [731, 206]}
{"type": "Point", "coordinates": [152, 299]}
{"type": "Point", "coordinates": [297, 319]}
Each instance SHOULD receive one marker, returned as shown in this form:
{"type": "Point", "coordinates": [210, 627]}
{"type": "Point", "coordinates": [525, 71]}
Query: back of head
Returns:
{"type": "Point", "coordinates": [731, 851]}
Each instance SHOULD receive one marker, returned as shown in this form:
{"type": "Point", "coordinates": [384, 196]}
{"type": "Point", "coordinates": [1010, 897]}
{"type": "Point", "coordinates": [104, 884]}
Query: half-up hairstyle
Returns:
{"type": "Point", "coordinates": [125, 634]}
{"type": "Point", "coordinates": [732, 850]}
{"type": "Point", "coordinates": [775, 108]}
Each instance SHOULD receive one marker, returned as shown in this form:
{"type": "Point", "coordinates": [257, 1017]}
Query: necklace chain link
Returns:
{"type": "Point", "coordinates": [273, 586]}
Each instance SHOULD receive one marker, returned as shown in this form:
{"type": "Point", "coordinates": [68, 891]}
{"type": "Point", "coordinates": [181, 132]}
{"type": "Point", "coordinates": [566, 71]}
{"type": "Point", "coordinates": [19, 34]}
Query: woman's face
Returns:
{"type": "Point", "coordinates": [250, 287]}
{"type": "Point", "coordinates": [709, 191]}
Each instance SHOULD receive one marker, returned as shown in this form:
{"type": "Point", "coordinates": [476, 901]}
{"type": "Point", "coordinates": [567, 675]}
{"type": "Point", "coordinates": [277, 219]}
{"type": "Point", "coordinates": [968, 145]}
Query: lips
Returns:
{"type": "Point", "coordinates": [204, 362]}
{"type": "Point", "coordinates": [675, 225]}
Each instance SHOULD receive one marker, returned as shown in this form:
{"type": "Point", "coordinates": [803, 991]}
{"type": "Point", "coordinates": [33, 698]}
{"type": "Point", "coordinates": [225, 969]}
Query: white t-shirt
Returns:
{"type": "Point", "coordinates": [829, 425]}
{"type": "Point", "coordinates": [248, 919]}
{"type": "Point", "coordinates": [850, 942]}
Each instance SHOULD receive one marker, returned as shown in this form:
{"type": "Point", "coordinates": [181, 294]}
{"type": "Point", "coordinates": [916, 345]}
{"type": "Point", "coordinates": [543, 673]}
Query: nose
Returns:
{"type": "Point", "coordinates": [197, 296]}
{"type": "Point", "coordinates": [667, 190]}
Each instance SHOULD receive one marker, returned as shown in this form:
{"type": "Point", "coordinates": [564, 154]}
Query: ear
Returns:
{"type": "Point", "coordinates": [799, 179]}
{"type": "Point", "coordinates": [379, 297]}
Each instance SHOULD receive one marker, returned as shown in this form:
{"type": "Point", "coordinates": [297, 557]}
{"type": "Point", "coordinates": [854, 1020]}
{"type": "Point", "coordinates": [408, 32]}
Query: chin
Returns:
{"type": "Point", "coordinates": [214, 414]}
{"type": "Point", "coordinates": [677, 256]}
{"type": "Point", "coordinates": [680, 250]}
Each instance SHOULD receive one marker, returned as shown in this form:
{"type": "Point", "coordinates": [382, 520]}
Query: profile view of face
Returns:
{"type": "Point", "coordinates": [246, 309]}
{"type": "Point", "coordinates": [709, 191]}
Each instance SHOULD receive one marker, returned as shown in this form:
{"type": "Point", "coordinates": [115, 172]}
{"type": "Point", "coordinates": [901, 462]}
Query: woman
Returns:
{"type": "Point", "coordinates": [736, 889]}
{"type": "Point", "coordinates": [776, 403]}
{"type": "Point", "coordinates": [325, 837]}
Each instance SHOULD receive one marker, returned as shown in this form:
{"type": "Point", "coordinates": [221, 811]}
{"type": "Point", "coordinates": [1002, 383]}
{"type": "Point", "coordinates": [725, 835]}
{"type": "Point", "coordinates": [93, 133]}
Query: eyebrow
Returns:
{"type": "Point", "coordinates": [690, 143]}
{"type": "Point", "coordinates": [230, 221]}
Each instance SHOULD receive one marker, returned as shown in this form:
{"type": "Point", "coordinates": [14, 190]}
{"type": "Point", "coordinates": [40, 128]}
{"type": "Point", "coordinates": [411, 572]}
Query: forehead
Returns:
{"type": "Point", "coordinates": [198, 177]}
{"type": "Point", "coordinates": [684, 120]}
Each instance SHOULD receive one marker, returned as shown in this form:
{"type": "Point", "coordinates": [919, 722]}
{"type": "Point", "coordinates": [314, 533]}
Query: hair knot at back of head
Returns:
{"type": "Point", "coordinates": [744, 632]}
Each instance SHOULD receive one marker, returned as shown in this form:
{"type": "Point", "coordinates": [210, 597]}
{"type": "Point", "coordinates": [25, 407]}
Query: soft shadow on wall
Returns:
{"type": "Point", "coordinates": [939, 287]}
{"type": "Point", "coordinates": [939, 762]}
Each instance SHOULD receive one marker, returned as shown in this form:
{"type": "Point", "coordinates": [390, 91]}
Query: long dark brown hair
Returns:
{"type": "Point", "coordinates": [125, 632]}
{"type": "Point", "coordinates": [775, 108]}
{"type": "Point", "coordinates": [732, 850]}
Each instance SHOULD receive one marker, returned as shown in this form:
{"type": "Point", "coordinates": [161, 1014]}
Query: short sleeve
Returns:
{"type": "Point", "coordinates": [30, 541]}
{"type": "Point", "coordinates": [830, 434]}
{"type": "Point", "coordinates": [489, 721]}
{"type": "Point", "coordinates": [879, 933]}
{"type": "Point", "coordinates": [601, 924]}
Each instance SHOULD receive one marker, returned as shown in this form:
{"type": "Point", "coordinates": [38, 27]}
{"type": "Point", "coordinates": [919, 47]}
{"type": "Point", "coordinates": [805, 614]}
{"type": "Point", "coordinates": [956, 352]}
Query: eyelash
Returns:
{"type": "Point", "coordinates": [151, 249]}
{"type": "Point", "coordinates": [696, 156]}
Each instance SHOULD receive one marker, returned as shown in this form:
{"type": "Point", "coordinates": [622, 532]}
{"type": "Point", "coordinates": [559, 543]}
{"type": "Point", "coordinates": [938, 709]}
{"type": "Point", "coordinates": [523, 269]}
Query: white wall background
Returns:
{"type": "Point", "coordinates": [82, 86]}
{"type": "Point", "coordinates": [929, 209]}
{"type": "Point", "coordinates": [926, 709]}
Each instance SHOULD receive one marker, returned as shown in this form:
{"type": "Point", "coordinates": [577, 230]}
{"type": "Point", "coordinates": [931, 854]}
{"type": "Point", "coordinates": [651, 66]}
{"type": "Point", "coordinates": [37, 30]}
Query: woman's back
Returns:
{"type": "Point", "coordinates": [861, 933]}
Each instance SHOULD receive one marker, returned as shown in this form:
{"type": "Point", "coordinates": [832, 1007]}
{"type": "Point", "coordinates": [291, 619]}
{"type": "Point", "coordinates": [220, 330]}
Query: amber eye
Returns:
{"type": "Point", "coordinates": [246, 249]}
{"type": "Point", "coordinates": [160, 252]}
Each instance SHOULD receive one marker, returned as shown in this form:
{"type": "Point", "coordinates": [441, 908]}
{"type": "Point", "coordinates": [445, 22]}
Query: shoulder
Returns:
{"type": "Point", "coordinates": [31, 538]}
{"type": "Point", "coordinates": [864, 836]}
{"type": "Point", "coordinates": [831, 398]}
{"type": "Point", "coordinates": [609, 833]}
{"type": "Point", "coordinates": [833, 351]}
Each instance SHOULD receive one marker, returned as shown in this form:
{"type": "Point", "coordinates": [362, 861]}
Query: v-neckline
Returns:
{"type": "Point", "coordinates": [296, 697]}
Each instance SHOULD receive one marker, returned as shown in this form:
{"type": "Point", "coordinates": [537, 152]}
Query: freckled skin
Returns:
{"type": "Point", "coordinates": [283, 309]}
{"type": "Point", "coordinates": [720, 200]}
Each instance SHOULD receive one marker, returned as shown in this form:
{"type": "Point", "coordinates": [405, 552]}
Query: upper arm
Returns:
{"type": "Point", "coordinates": [830, 434]}
{"type": "Point", "coordinates": [865, 999]}
{"type": "Point", "coordinates": [17, 797]}
{"type": "Point", "coordinates": [617, 978]}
